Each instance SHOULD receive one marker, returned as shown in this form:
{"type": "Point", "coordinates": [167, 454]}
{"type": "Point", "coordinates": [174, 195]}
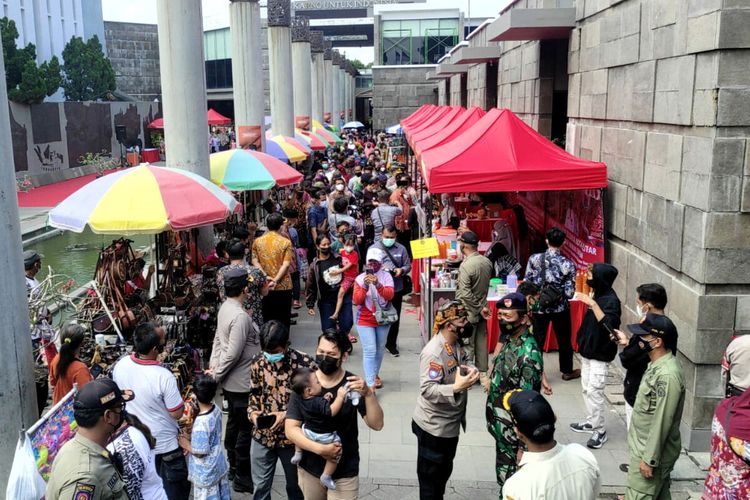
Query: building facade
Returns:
{"type": "Point", "coordinates": [133, 50]}
{"type": "Point", "coordinates": [657, 89]}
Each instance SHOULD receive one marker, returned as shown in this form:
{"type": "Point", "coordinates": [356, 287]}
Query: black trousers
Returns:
{"type": "Point", "coordinates": [278, 305]}
{"type": "Point", "coordinates": [404, 237]}
{"type": "Point", "coordinates": [239, 434]}
{"type": "Point", "coordinates": [398, 299]}
{"type": "Point", "coordinates": [173, 471]}
{"type": "Point", "coordinates": [434, 462]}
{"type": "Point", "coordinates": [561, 323]}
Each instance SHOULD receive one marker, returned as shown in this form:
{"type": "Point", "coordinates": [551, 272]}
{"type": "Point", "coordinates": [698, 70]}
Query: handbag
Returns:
{"type": "Point", "coordinates": [550, 294]}
{"type": "Point", "coordinates": [384, 315]}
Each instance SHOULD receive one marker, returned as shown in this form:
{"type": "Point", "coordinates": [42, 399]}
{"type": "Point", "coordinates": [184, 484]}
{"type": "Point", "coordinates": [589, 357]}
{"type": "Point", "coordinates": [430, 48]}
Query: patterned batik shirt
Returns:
{"type": "Point", "coordinates": [256, 278]}
{"type": "Point", "coordinates": [560, 272]}
{"type": "Point", "coordinates": [271, 388]}
{"type": "Point", "coordinates": [272, 250]}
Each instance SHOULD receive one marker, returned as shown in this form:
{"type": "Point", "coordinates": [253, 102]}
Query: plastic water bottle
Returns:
{"type": "Point", "coordinates": [512, 282]}
{"type": "Point", "coordinates": [353, 397]}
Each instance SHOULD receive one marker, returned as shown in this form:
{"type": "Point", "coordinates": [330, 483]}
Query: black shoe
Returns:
{"type": "Point", "coordinates": [294, 315]}
{"type": "Point", "coordinates": [582, 427]}
{"type": "Point", "coordinates": [625, 468]}
{"type": "Point", "coordinates": [293, 322]}
{"type": "Point", "coordinates": [394, 351]}
{"type": "Point", "coordinates": [597, 440]}
{"type": "Point", "coordinates": [242, 485]}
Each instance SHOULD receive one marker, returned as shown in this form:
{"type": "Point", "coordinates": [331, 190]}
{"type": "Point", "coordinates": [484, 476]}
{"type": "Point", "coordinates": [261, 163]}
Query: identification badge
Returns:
{"type": "Point", "coordinates": [451, 363]}
{"type": "Point", "coordinates": [84, 491]}
{"type": "Point", "coordinates": [435, 371]}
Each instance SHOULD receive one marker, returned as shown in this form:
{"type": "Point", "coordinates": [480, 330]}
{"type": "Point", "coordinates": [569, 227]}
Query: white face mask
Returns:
{"type": "Point", "coordinates": [641, 311]}
{"type": "Point", "coordinates": [339, 187]}
{"type": "Point", "coordinates": [349, 249]}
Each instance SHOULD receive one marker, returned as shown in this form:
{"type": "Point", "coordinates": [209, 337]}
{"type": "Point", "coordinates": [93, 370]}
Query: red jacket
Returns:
{"type": "Point", "coordinates": [367, 316]}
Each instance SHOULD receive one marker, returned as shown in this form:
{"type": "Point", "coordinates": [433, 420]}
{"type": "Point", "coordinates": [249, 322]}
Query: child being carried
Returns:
{"type": "Point", "coordinates": [317, 412]}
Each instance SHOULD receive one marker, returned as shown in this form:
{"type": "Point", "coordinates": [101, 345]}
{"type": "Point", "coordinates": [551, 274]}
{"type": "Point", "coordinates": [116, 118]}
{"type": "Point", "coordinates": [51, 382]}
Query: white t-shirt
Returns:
{"type": "Point", "coordinates": [156, 394]}
{"type": "Point", "coordinates": [139, 474]}
{"type": "Point", "coordinates": [566, 471]}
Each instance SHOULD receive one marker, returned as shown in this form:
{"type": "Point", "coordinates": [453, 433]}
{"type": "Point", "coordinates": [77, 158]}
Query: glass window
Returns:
{"type": "Point", "coordinates": [438, 42]}
{"type": "Point", "coordinates": [390, 25]}
{"type": "Point", "coordinates": [397, 47]}
{"type": "Point", "coordinates": [426, 24]}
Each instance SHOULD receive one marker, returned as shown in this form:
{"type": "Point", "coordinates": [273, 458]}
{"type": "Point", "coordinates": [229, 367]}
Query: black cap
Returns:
{"type": "Point", "coordinates": [30, 257]}
{"type": "Point", "coordinates": [101, 394]}
{"type": "Point", "coordinates": [513, 301]}
{"type": "Point", "coordinates": [532, 414]}
{"type": "Point", "coordinates": [235, 276]}
{"type": "Point", "coordinates": [469, 237]}
{"type": "Point", "coordinates": [657, 325]}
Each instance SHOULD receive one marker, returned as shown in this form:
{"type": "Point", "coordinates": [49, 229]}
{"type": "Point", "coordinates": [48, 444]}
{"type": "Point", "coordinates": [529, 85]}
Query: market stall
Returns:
{"type": "Point", "coordinates": [530, 182]}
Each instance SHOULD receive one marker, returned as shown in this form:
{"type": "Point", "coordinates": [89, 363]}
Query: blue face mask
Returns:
{"type": "Point", "coordinates": [389, 242]}
{"type": "Point", "coordinates": [274, 358]}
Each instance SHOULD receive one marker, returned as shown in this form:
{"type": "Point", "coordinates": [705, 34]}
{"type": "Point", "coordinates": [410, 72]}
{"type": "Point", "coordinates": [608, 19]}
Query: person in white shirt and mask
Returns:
{"type": "Point", "coordinates": [547, 469]}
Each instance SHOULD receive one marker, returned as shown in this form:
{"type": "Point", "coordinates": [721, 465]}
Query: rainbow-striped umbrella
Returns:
{"type": "Point", "coordinates": [144, 200]}
{"type": "Point", "coordinates": [313, 140]}
{"type": "Point", "coordinates": [278, 147]}
{"type": "Point", "coordinates": [326, 134]}
{"type": "Point", "coordinates": [243, 170]}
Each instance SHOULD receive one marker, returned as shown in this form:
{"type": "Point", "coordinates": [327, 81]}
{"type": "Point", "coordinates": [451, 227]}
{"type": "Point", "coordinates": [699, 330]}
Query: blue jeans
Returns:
{"type": "Point", "coordinates": [346, 319]}
{"type": "Point", "coordinates": [264, 466]}
{"type": "Point", "coordinates": [373, 348]}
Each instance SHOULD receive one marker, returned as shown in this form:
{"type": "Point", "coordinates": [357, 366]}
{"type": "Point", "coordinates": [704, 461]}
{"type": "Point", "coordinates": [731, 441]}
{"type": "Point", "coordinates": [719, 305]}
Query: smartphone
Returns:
{"type": "Point", "coordinates": [612, 335]}
{"type": "Point", "coordinates": [369, 271]}
{"type": "Point", "coordinates": [265, 421]}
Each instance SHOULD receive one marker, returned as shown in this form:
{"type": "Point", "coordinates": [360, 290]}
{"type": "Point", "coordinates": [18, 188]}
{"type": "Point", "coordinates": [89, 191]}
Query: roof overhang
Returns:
{"type": "Point", "coordinates": [476, 55]}
{"type": "Point", "coordinates": [532, 24]}
{"type": "Point", "coordinates": [445, 69]}
{"type": "Point", "coordinates": [432, 75]}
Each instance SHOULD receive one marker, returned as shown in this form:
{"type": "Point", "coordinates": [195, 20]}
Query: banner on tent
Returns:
{"type": "Point", "coordinates": [580, 213]}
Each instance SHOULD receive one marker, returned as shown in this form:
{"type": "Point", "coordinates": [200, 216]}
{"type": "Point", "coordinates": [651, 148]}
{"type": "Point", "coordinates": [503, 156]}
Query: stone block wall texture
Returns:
{"type": "Point", "coordinates": [133, 49]}
{"type": "Point", "coordinates": [659, 90]}
{"type": "Point", "coordinates": [398, 91]}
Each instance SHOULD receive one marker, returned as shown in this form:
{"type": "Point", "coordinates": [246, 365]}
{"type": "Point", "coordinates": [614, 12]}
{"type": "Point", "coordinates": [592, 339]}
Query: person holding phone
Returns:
{"type": "Point", "coordinates": [597, 346]}
{"type": "Point", "coordinates": [271, 385]}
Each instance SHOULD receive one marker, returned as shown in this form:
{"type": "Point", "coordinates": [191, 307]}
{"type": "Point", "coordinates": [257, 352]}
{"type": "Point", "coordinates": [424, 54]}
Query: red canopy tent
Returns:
{"type": "Point", "coordinates": [214, 118]}
{"type": "Point", "coordinates": [436, 126]}
{"type": "Point", "coordinates": [457, 126]}
{"type": "Point", "coordinates": [500, 153]}
{"type": "Point", "coordinates": [415, 116]}
{"type": "Point", "coordinates": [429, 122]}
{"type": "Point", "coordinates": [427, 115]}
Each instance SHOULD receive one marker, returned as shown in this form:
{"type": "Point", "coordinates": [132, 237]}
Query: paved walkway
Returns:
{"type": "Point", "coordinates": [388, 457]}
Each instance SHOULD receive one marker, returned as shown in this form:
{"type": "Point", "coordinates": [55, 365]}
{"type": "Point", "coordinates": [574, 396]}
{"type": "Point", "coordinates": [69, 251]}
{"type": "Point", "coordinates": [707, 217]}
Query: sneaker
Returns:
{"type": "Point", "coordinates": [581, 427]}
{"type": "Point", "coordinates": [572, 375]}
{"type": "Point", "coordinates": [597, 440]}
{"type": "Point", "coordinates": [394, 352]}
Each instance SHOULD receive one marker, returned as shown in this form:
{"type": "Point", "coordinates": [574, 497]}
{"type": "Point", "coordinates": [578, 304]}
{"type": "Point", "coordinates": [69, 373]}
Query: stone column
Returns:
{"type": "Point", "coordinates": [328, 91]}
{"type": "Point", "coordinates": [280, 67]}
{"type": "Point", "coordinates": [183, 86]}
{"type": "Point", "coordinates": [247, 73]}
{"type": "Point", "coordinates": [302, 63]}
{"type": "Point", "coordinates": [317, 77]}
{"type": "Point", "coordinates": [335, 89]}
{"type": "Point", "coordinates": [342, 91]}
{"type": "Point", "coordinates": [18, 394]}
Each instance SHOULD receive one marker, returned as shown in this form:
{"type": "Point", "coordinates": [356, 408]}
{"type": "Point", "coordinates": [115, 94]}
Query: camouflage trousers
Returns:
{"type": "Point", "coordinates": [500, 425]}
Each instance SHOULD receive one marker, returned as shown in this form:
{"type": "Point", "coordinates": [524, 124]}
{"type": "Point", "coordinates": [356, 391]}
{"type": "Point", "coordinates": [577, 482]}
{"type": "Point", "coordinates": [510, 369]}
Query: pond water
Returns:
{"type": "Point", "coordinates": [75, 254]}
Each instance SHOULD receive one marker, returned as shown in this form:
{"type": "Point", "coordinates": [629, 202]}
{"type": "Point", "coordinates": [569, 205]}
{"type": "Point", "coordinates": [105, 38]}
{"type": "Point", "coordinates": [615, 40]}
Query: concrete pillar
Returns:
{"type": "Point", "coordinates": [247, 73]}
{"type": "Point", "coordinates": [280, 67]}
{"type": "Point", "coordinates": [302, 63]}
{"type": "Point", "coordinates": [342, 92]}
{"type": "Point", "coordinates": [18, 393]}
{"type": "Point", "coordinates": [335, 86]}
{"type": "Point", "coordinates": [317, 75]}
{"type": "Point", "coordinates": [183, 86]}
{"type": "Point", "coordinates": [328, 92]}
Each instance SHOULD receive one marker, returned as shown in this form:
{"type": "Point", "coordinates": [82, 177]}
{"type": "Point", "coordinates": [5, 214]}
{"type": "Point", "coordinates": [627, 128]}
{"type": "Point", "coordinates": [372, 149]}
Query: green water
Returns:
{"type": "Point", "coordinates": [78, 264]}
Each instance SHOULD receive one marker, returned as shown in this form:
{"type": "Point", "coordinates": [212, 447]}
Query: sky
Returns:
{"type": "Point", "coordinates": [216, 15]}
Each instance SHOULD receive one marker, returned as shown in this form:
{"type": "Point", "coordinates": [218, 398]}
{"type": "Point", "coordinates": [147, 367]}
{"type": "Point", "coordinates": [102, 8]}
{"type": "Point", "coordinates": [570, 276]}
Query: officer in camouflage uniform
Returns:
{"type": "Point", "coordinates": [519, 365]}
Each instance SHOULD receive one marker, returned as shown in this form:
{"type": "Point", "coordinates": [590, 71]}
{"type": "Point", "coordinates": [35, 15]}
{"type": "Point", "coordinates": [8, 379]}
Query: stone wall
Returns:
{"type": "Point", "coordinates": [476, 89]}
{"type": "Point", "coordinates": [133, 49]}
{"type": "Point", "coordinates": [397, 91]}
{"type": "Point", "coordinates": [458, 89]}
{"type": "Point", "coordinates": [659, 90]}
{"type": "Point", "coordinates": [49, 138]}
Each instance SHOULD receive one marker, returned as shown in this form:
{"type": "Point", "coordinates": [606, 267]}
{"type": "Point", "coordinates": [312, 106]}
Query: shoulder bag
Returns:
{"type": "Point", "coordinates": [383, 315]}
{"type": "Point", "coordinates": [550, 294]}
{"type": "Point", "coordinates": [405, 278]}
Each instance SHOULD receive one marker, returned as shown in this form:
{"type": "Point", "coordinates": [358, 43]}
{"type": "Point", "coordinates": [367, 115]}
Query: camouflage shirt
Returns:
{"type": "Point", "coordinates": [518, 366]}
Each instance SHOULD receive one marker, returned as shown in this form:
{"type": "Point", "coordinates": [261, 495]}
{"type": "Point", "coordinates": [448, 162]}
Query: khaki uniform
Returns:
{"type": "Point", "coordinates": [471, 290]}
{"type": "Point", "coordinates": [83, 470]}
{"type": "Point", "coordinates": [654, 433]}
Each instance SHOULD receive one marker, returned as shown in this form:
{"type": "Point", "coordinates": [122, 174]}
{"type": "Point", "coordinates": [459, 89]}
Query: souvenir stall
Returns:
{"type": "Point", "coordinates": [518, 184]}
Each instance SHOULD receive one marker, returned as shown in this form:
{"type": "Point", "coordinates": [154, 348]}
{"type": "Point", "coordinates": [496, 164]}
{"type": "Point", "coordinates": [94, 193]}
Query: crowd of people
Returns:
{"type": "Point", "coordinates": [343, 236]}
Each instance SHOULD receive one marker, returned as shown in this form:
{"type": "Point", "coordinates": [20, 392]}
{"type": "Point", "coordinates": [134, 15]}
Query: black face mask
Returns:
{"type": "Point", "coordinates": [645, 346]}
{"type": "Point", "coordinates": [508, 326]}
{"type": "Point", "coordinates": [327, 364]}
{"type": "Point", "coordinates": [324, 251]}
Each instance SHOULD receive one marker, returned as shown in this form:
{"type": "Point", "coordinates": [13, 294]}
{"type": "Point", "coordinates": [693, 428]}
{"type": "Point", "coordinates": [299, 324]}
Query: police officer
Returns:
{"type": "Point", "coordinates": [83, 469]}
{"type": "Point", "coordinates": [654, 434]}
{"type": "Point", "coordinates": [444, 378]}
{"type": "Point", "coordinates": [518, 365]}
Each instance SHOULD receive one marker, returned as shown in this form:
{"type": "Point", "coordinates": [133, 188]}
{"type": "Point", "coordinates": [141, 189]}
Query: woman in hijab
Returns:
{"type": "Point", "coordinates": [729, 473]}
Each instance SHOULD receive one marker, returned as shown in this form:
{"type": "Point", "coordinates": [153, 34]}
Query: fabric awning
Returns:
{"type": "Point", "coordinates": [414, 117]}
{"type": "Point", "coordinates": [500, 153]}
{"type": "Point", "coordinates": [435, 126]}
{"type": "Point", "coordinates": [457, 126]}
{"type": "Point", "coordinates": [436, 116]}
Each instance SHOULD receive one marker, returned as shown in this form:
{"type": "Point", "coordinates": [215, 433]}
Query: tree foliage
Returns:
{"type": "Point", "coordinates": [27, 83]}
{"type": "Point", "coordinates": [88, 73]}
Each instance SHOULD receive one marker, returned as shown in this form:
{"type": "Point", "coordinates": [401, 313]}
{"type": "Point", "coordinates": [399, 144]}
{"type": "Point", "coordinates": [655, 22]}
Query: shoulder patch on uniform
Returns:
{"type": "Point", "coordinates": [84, 491]}
{"type": "Point", "coordinates": [112, 481]}
{"type": "Point", "coordinates": [451, 363]}
{"type": "Point", "coordinates": [435, 371]}
{"type": "Point", "coordinates": [448, 348]}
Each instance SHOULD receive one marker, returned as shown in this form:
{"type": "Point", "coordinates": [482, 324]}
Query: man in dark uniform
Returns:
{"type": "Point", "coordinates": [519, 365]}
{"type": "Point", "coordinates": [444, 378]}
{"type": "Point", "coordinates": [83, 469]}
